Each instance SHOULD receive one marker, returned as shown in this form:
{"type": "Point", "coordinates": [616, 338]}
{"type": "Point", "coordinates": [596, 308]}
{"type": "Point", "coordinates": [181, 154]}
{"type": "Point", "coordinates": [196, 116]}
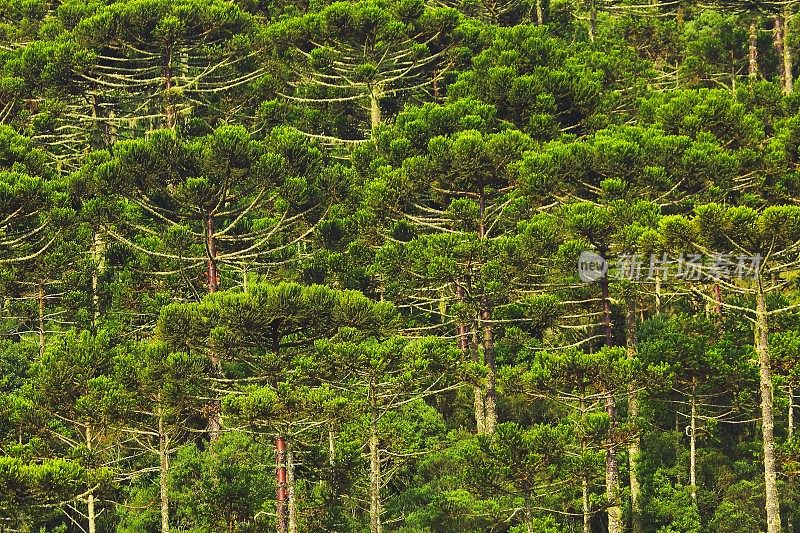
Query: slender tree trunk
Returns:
{"type": "Point", "coordinates": [40, 300]}
{"type": "Point", "coordinates": [592, 20]}
{"type": "Point", "coordinates": [767, 419]}
{"type": "Point", "coordinates": [585, 503]}
{"type": "Point", "coordinates": [163, 473]}
{"type": "Point", "coordinates": [634, 447]}
{"type": "Point", "coordinates": [464, 346]}
{"type": "Point", "coordinates": [479, 391]}
{"type": "Point", "coordinates": [528, 517]}
{"type": "Point", "coordinates": [790, 418]}
{"type": "Point", "coordinates": [693, 443]}
{"type": "Point", "coordinates": [91, 515]}
{"type": "Point", "coordinates": [212, 284]}
{"type": "Point", "coordinates": [281, 511]}
{"type": "Point", "coordinates": [374, 464]}
{"type": "Point", "coordinates": [331, 447]}
{"type": "Point", "coordinates": [95, 136]}
{"type": "Point", "coordinates": [788, 84]}
{"type": "Point", "coordinates": [290, 485]}
{"type": "Point", "coordinates": [608, 336]}
{"type": "Point", "coordinates": [539, 13]}
{"type": "Point", "coordinates": [790, 434]}
{"type": "Point", "coordinates": [587, 515]}
{"type": "Point", "coordinates": [98, 267]}
{"type": "Point", "coordinates": [752, 70]}
{"type": "Point", "coordinates": [612, 472]}
{"type": "Point", "coordinates": [658, 295]}
{"type": "Point", "coordinates": [612, 464]}
{"type": "Point", "coordinates": [212, 273]}
{"type": "Point", "coordinates": [490, 399]}
{"type": "Point", "coordinates": [374, 108]}
{"type": "Point", "coordinates": [778, 43]}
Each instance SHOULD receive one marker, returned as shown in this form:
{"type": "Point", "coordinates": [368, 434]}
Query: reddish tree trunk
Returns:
{"type": "Point", "coordinates": [281, 492]}
{"type": "Point", "coordinates": [212, 284]}
{"type": "Point", "coordinates": [606, 301]}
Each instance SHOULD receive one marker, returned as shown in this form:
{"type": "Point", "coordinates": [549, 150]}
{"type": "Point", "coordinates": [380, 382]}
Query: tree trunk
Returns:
{"type": "Point", "coordinates": [464, 346]}
{"type": "Point", "coordinates": [634, 447]}
{"type": "Point", "coordinates": [788, 85]}
{"type": "Point", "coordinates": [612, 472]}
{"type": "Point", "coordinates": [91, 515]}
{"type": "Point", "coordinates": [592, 20]}
{"type": "Point", "coordinates": [163, 473]}
{"type": "Point", "coordinates": [777, 42]}
{"type": "Point", "coordinates": [608, 336]}
{"type": "Point", "coordinates": [767, 419]}
{"type": "Point", "coordinates": [790, 433]}
{"type": "Point", "coordinates": [40, 300]}
{"type": "Point", "coordinates": [587, 515]}
{"type": "Point", "coordinates": [98, 267]}
{"type": "Point", "coordinates": [374, 464]}
{"type": "Point", "coordinates": [290, 488]}
{"type": "Point", "coordinates": [612, 463]}
{"type": "Point", "coordinates": [490, 400]}
{"type": "Point", "coordinates": [282, 518]}
{"type": "Point", "coordinates": [657, 291]}
{"type": "Point", "coordinates": [693, 443]}
{"type": "Point", "coordinates": [374, 108]}
{"type": "Point", "coordinates": [331, 447]}
{"type": "Point", "coordinates": [212, 274]}
{"type": "Point", "coordinates": [539, 13]}
{"type": "Point", "coordinates": [585, 503]}
{"type": "Point", "coordinates": [479, 392]}
{"type": "Point", "coordinates": [752, 69]}
{"type": "Point", "coordinates": [791, 411]}
{"type": "Point", "coordinates": [528, 517]}
{"type": "Point", "coordinates": [212, 284]}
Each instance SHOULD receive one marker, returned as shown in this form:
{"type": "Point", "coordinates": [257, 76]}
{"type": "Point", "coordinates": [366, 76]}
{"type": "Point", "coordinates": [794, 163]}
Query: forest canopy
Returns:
{"type": "Point", "coordinates": [505, 266]}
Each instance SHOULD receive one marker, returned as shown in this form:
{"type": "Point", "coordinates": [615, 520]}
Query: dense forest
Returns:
{"type": "Point", "coordinates": [466, 266]}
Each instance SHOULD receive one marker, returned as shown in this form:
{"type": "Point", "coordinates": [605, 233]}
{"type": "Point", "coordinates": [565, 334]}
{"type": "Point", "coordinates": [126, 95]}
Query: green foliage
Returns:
{"type": "Point", "coordinates": [340, 238]}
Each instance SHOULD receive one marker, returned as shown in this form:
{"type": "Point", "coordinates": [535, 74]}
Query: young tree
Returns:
{"type": "Point", "coordinates": [706, 379]}
{"type": "Point", "coordinates": [73, 404]}
{"type": "Point", "coordinates": [382, 375]}
{"type": "Point", "coordinates": [578, 384]}
{"type": "Point", "coordinates": [165, 388]}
